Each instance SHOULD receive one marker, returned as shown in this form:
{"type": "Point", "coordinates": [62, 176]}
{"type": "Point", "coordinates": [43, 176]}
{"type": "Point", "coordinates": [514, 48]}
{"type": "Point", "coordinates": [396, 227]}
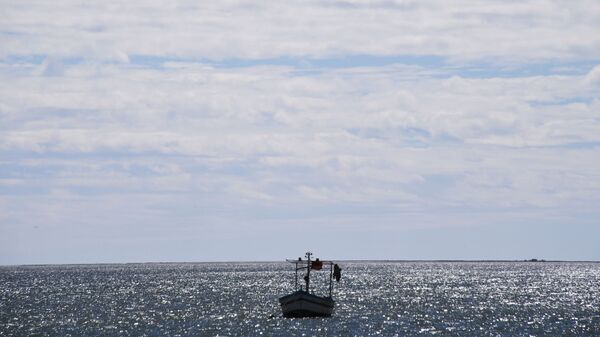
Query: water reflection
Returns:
{"type": "Point", "coordinates": [235, 299]}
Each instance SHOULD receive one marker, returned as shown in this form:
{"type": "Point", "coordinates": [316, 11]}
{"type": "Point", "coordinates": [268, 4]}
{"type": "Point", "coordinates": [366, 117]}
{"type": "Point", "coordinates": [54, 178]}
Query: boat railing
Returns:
{"type": "Point", "coordinates": [308, 265]}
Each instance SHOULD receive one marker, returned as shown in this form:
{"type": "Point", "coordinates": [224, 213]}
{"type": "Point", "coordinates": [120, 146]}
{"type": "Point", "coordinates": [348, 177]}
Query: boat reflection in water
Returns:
{"type": "Point", "coordinates": [303, 302]}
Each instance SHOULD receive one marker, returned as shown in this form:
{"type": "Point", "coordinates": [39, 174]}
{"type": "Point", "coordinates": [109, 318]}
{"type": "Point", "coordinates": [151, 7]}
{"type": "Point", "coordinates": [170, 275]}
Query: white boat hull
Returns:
{"type": "Point", "coordinates": [303, 304]}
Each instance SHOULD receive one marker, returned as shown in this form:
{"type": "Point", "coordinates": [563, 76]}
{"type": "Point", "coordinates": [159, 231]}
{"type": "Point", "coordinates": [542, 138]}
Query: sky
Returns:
{"type": "Point", "coordinates": [257, 130]}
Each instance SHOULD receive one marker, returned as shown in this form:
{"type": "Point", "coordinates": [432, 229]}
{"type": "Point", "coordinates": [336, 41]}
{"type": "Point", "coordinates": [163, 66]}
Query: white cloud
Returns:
{"type": "Point", "coordinates": [347, 126]}
{"type": "Point", "coordinates": [593, 76]}
{"type": "Point", "coordinates": [87, 126]}
{"type": "Point", "coordinates": [237, 29]}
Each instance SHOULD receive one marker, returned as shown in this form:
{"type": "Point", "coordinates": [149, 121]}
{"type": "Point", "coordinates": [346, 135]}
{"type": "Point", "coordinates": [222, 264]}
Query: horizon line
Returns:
{"type": "Point", "coordinates": [282, 261]}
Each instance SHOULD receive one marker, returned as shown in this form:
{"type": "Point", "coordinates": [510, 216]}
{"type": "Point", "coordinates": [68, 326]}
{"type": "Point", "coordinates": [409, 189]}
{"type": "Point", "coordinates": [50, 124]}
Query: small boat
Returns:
{"type": "Point", "coordinates": [303, 302]}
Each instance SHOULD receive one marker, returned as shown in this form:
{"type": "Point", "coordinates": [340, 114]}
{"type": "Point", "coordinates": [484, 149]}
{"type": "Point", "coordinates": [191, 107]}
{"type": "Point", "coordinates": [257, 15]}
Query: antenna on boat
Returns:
{"type": "Point", "coordinates": [307, 276]}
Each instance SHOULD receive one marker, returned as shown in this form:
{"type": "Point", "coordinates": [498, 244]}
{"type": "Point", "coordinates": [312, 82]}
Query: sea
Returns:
{"type": "Point", "coordinates": [240, 299]}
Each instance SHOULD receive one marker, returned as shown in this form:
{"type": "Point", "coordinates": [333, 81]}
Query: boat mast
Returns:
{"type": "Point", "coordinates": [307, 277]}
{"type": "Point", "coordinates": [330, 279]}
{"type": "Point", "coordinates": [296, 279]}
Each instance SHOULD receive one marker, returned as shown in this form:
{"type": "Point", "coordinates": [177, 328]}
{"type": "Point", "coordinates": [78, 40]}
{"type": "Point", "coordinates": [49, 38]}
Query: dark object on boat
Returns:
{"type": "Point", "coordinates": [337, 272]}
{"type": "Point", "coordinates": [303, 302]}
{"type": "Point", "coordinates": [316, 265]}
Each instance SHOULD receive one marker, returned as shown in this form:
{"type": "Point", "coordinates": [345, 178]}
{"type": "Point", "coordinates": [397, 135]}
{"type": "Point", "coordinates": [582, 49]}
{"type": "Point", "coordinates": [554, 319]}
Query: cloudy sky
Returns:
{"type": "Point", "coordinates": [255, 130]}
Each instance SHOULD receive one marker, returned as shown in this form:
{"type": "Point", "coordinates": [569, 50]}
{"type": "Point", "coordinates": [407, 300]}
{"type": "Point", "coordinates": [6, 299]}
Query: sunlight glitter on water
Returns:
{"type": "Point", "coordinates": [240, 299]}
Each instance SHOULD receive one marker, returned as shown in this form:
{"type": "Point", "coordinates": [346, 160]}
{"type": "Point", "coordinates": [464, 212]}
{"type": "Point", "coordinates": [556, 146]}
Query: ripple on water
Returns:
{"type": "Point", "coordinates": [237, 299]}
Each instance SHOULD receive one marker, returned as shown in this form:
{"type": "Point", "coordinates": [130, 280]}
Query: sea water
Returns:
{"type": "Point", "coordinates": [240, 299]}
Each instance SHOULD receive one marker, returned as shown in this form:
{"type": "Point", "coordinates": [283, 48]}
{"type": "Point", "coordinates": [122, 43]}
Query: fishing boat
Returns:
{"type": "Point", "coordinates": [303, 302]}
